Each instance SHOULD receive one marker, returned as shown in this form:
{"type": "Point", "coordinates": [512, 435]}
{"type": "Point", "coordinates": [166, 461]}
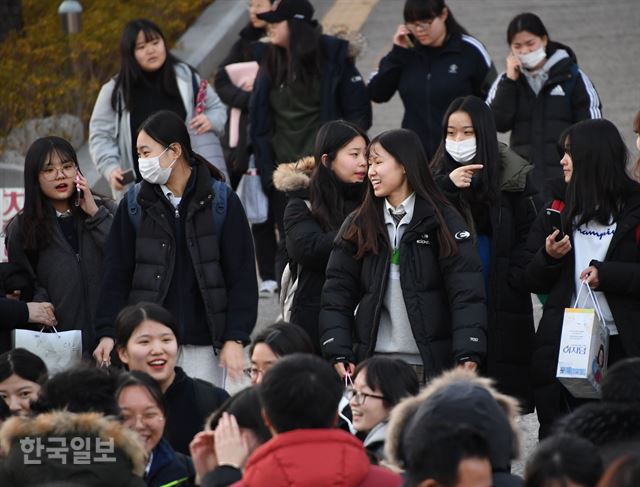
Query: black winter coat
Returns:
{"type": "Point", "coordinates": [308, 243]}
{"type": "Point", "coordinates": [619, 276]}
{"type": "Point", "coordinates": [510, 332]}
{"type": "Point", "coordinates": [243, 50]}
{"type": "Point", "coordinates": [429, 79]}
{"type": "Point", "coordinates": [189, 402]}
{"type": "Point", "coordinates": [444, 296]}
{"type": "Point", "coordinates": [343, 96]}
{"type": "Point", "coordinates": [68, 280]}
{"type": "Point", "coordinates": [140, 266]}
{"type": "Point", "coordinates": [536, 122]}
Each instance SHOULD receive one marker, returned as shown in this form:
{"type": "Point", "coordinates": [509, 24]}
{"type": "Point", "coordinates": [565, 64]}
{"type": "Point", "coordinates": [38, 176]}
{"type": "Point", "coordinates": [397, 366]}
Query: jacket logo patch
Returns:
{"type": "Point", "coordinates": [557, 91]}
{"type": "Point", "coordinates": [424, 239]}
{"type": "Point", "coordinates": [453, 69]}
{"type": "Point", "coordinates": [356, 79]}
{"type": "Point", "coordinates": [474, 339]}
{"type": "Point", "coordinates": [462, 235]}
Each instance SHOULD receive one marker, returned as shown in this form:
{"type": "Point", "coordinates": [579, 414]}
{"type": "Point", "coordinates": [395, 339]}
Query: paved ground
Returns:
{"type": "Point", "coordinates": [603, 35]}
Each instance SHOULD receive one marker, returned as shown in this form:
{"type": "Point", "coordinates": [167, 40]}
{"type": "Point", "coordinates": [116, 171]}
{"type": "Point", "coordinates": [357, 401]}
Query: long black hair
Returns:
{"type": "Point", "coordinates": [417, 10]}
{"type": "Point", "coordinates": [599, 184]}
{"type": "Point", "coordinates": [526, 22]}
{"type": "Point", "coordinates": [130, 71]}
{"type": "Point", "coordinates": [327, 193]}
{"type": "Point", "coordinates": [487, 152]}
{"type": "Point", "coordinates": [245, 406]}
{"type": "Point", "coordinates": [166, 128]}
{"type": "Point", "coordinates": [302, 60]}
{"type": "Point", "coordinates": [36, 223]}
{"type": "Point", "coordinates": [368, 226]}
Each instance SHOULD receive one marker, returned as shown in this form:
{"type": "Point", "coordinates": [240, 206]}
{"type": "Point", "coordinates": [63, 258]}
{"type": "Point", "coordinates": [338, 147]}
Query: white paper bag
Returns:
{"type": "Point", "coordinates": [58, 349]}
{"type": "Point", "coordinates": [584, 349]}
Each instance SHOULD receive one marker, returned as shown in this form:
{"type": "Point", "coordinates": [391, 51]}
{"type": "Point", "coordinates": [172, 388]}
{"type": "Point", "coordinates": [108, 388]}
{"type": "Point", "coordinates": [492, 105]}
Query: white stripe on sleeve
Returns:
{"type": "Point", "coordinates": [494, 88]}
{"type": "Point", "coordinates": [594, 100]}
{"type": "Point", "coordinates": [478, 45]}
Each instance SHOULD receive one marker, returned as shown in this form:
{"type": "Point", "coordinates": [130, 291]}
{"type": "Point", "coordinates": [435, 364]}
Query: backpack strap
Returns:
{"type": "Point", "coordinates": [195, 86]}
{"type": "Point", "coordinates": [133, 207]}
{"type": "Point", "coordinates": [219, 206]}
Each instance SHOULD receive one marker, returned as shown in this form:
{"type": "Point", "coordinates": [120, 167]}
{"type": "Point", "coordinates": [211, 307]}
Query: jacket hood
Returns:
{"type": "Point", "coordinates": [554, 46]}
{"type": "Point", "coordinates": [308, 457]}
{"type": "Point", "coordinates": [513, 177]}
{"type": "Point", "coordinates": [357, 42]}
{"type": "Point", "coordinates": [127, 448]}
{"type": "Point", "coordinates": [459, 396]}
{"type": "Point", "coordinates": [294, 176]}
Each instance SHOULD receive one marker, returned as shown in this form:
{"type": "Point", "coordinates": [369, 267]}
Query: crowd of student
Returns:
{"type": "Point", "coordinates": [407, 262]}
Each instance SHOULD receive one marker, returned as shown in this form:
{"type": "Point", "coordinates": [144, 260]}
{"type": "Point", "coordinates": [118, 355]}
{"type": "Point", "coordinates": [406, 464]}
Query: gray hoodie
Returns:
{"type": "Point", "coordinates": [110, 142]}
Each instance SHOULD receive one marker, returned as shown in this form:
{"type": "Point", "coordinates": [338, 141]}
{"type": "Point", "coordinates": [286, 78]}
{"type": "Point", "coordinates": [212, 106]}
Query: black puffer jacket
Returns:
{"type": "Point", "coordinates": [343, 95]}
{"type": "Point", "coordinates": [429, 79]}
{"type": "Point", "coordinates": [308, 243]}
{"type": "Point", "coordinates": [510, 315]}
{"type": "Point", "coordinates": [619, 276]}
{"type": "Point", "coordinates": [243, 50]}
{"type": "Point", "coordinates": [536, 122]}
{"type": "Point", "coordinates": [140, 266]}
{"type": "Point", "coordinates": [444, 297]}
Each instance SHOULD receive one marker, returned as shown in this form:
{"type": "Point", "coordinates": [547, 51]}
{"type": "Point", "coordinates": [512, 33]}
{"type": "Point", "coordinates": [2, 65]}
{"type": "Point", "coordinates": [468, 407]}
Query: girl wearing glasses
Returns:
{"type": "Point", "coordinates": [142, 409]}
{"type": "Point", "coordinates": [433, 61]}
{"type": "Point", "coordinates": [273, 343]}
{"type": "Point", "coordinates": [542, 93]}
{"type": "Point", "coordinates": [404, 278]}
{"type": "Point", "coordinates": [379, 383]}
{"type": "Point", "coordinates": [59, 235]}
{"type": "Point", "coordinates": [147, 340]}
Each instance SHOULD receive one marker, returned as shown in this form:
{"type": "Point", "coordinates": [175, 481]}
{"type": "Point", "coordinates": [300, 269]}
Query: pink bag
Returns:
{"type": "Point", "coordinates": [239, 74]}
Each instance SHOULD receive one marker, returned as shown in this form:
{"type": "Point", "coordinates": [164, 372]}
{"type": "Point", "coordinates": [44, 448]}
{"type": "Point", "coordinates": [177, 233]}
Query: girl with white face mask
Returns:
{"type": "Point", "coordinates": [490, 186]}
{"type": "Point", "coordinates": [174, 254]}
{"type": "Point", "coordinates": [541, 93]}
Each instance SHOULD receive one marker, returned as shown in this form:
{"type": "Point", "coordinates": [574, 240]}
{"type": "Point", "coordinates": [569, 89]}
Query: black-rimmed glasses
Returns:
{"type": "Point", "coordinates": [360, 397]}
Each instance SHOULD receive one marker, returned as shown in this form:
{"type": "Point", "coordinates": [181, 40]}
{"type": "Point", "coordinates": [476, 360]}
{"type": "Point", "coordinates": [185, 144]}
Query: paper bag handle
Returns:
{"type": "Point", "coordinates": [54, 330]}
{"type": "Point", "coordinates": [596, 304]}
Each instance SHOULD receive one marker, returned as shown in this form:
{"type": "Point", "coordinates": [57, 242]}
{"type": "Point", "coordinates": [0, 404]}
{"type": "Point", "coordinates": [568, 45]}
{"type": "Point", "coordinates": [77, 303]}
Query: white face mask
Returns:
{"type": "Point", "coordinates": [151, 171]}
{"type": "Point", "coordinates": [532, 59]}
{"type": "Point", "coordinates": [463, 151]}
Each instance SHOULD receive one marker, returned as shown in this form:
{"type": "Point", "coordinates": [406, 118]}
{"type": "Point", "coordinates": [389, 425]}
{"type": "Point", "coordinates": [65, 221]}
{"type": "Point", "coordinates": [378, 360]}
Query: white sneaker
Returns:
{"type": "Point", "coordinates": [268, 289]}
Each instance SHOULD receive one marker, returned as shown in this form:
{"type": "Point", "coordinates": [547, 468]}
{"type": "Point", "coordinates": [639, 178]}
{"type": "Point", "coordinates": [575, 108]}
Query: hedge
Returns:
{"type": "Point", "coordinates": [45, 72]}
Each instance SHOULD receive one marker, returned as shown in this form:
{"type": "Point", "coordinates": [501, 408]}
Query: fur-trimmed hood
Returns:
{"type": "Point", "coordinates": [129, 454]}
{"type": "Point", "coordinates": [460, 396]}
{"type": "Point", "coordinates": [294, 176]}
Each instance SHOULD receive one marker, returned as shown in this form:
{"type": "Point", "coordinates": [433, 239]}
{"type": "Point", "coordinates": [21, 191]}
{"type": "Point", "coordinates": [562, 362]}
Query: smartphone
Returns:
{"type": "Point", "coordinates": [79, 193]}
{"type": "Point", "coordinates": [128, 177]}
{"type": "Point", "coordinates": [554, 220]}
{"type": "Point", "coordinates": [410, 40]}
